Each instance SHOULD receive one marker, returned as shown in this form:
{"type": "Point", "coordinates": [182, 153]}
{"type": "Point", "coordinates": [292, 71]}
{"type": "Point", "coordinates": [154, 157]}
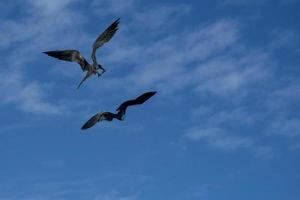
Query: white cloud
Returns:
{"type": "Point", "coordinates": [114, 195]}
{"type": "Point", "coordinates": [224, 140]}
{"type": "Point", "coordinates": [34, 28]}
{"type": "Point", "coordinates": [205, 189]}
{"type": "Point", "coordinates": [208, 58]}
{"type": "Point", "coordinates": [105, 7]}
{"type": "Point", "coordinates": [281, 99]}
{"type": "Point", "coordinates": [255, 2]}
{"type": "Point", "coordinates": [219, 138]}
{"type": "Point", "coordinates": [47, 7]}
{"type": "Point", "coordinates": [245, 2]}
{"type": "Point", "coordinates": [286, 127]}
{"type": "Point", "coordinates": [282, 104]}
{"type": "Point", "coordinates": [31, 97]}
{"type": "Point", "coordinates": [283, 39]}
{"type": "Point", "coordinates": [230, 117]}
{"type": "Point", "coordinates": [170, 60]}
{"type": "Point", "coordinates": [158, 19]}
{"type": "Point", "coordinates": [24, 40]}
{"type": "Point", "coordinates": [95, 188]}
{"type": "Point", "coordinates": [230, 74]}
{"type": "Point", "coordinates": [28, 96]}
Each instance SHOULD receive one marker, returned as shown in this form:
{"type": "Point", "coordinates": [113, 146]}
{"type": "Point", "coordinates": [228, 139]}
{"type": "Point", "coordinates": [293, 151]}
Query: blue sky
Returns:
{"type": "Point", "coordinates": [225, 122]}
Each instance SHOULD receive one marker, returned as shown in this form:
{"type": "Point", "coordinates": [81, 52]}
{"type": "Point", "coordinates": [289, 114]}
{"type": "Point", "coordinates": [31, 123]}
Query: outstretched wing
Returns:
{"type": "Point", "coordinates": [139, 100]}
{"type": "Point", "coordinates": [69, 55]}
{"type": "Point", "coordinates": [97, 118]}
{"type": "Point", "coordinates": [104, 37]}
{"type": "Point", "coordinates": [91, 122]}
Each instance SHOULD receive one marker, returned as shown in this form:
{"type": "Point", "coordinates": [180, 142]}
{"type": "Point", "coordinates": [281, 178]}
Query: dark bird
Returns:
{"type": "Point", "coordinates": [75, 55]}
{"type": "Point", "coordinates": [121, 110]}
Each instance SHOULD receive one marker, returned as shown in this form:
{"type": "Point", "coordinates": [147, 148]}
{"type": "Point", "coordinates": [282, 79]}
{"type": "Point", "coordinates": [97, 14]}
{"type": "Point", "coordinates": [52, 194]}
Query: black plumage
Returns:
{"type": "Point", "coordinates": [71, 56]}
{"type": "Point", "coordinates": [121, 111]}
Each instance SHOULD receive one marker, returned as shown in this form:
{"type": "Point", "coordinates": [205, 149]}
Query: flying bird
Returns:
{"type": "Point", "coordinates": [76, 56]}
{"type": "Point", "coordinates": [121, 110]}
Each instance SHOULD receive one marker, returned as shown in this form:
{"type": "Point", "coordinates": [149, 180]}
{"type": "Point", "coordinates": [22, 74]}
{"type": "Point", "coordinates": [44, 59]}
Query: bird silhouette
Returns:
{"type": "Point", "coordinates": [76, 56]}
{"type": "Point", "coordinates": [121, 111]}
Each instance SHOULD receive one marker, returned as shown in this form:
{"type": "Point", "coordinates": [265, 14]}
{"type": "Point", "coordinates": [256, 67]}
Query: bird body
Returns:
{"type": "Point", "coordinates": [121, 111]}
{"type": "Point", "coordinates": [76, 56]}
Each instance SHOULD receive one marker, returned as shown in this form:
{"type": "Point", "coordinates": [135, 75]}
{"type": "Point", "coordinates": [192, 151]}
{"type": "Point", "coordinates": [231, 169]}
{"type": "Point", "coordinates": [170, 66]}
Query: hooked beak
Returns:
{"type": "Point", "coordinates": [100, 67]}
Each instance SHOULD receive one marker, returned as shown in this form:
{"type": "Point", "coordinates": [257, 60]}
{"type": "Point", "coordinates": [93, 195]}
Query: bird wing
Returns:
{"type": "Point", "coordinates": [104, 37]}
{"type": "Point", "coordinates": [92, 121]}
{"type": "Point", "coordinates": [139, 100]}
{"type": "Point", "coordinates": [97, 118]}
{"type": "Point", "coordinates": [69, 55]}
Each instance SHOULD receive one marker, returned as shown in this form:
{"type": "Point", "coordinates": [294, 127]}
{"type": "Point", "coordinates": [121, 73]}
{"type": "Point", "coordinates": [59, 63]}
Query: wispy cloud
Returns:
{"type": "Point", "coordinates": [224, 140]}
{"type": "Point", "coordinates": [176, 59]}
{"type": "Point", "coordinates": [208, 59]}
{"type": "Point", "coordinates": [254, 2]}
{"type": "Point", "coordinates": [46, 7]}
{"type": "Point", "coordinates": [29, 97]}
{"type": "Point", "coordinates": [106, 7]}
{"type": "Point", "coordinates": [37, 28]}
{"type": "Point", "coordinates": [115, 196]}
{"type": "Point", "coordinates": [220, 139]}
{"type": "Point", "coordinates": [245, 2]}
{"type": "Point", "coordinates": [157, 19]}
{"type": "Point", "coordinates": [285, 126]}
{"type": "Point", "coordinates": [282, 39]}
{"type": "Point", "coordinates": [108, 187]}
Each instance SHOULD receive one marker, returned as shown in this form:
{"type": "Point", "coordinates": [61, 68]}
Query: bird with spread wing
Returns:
{"type": "Point", "coordinates": [75, 55]}
{"type": "Point", "coordinates": [121, 110]}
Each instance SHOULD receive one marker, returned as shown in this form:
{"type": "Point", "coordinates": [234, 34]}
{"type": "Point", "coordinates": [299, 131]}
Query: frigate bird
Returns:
{"type": "Point", "coordinates": [121, 110]}
{"type": "Point", "coordinates": [76, 56]}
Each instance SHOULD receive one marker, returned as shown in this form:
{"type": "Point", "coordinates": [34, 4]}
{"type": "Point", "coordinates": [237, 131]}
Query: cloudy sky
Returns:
{"type": "Point", "coordinates": [225, 123]}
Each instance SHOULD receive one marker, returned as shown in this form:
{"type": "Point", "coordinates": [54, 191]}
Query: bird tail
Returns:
{"type": "Point", "coordinates": [84, 78]}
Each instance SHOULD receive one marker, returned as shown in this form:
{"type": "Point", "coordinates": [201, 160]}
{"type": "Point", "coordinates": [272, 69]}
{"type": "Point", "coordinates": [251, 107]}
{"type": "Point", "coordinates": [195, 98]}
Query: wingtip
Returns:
{"type": "Point", "coordinates": [78, 86]}
{"type": "Point", "coordinates": [84, 127]}
{"type": "Point", "coordinates": [117, 21]}
{"type": "Point", "coordinates": [153, 92]}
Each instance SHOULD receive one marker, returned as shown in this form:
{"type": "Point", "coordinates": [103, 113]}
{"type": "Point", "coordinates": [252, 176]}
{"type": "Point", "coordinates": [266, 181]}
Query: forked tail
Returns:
{"type": "Point", "coordinates": [84, 78]}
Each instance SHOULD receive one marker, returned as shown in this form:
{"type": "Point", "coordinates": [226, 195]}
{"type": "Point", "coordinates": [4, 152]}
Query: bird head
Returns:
{"type": "Point", "coordinates": [100, 67]}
